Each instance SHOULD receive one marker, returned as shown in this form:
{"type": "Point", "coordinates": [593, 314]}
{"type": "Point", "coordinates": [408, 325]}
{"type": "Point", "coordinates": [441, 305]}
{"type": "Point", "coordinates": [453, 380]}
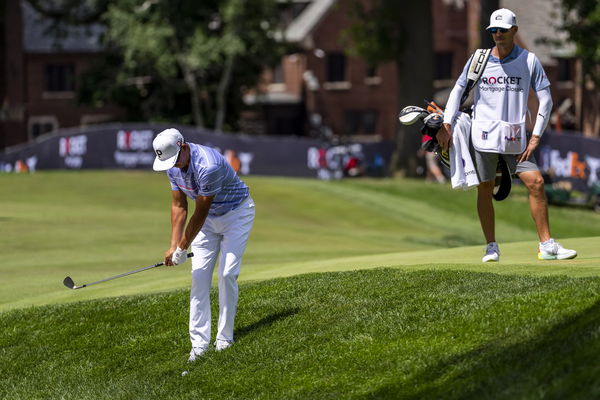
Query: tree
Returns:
{"type": "Point", "coordinates": [581, 21]}
{"type": "Point", "coordinates": [486, 8]}
{"type": "Point", "coordinates": [202, 44]}
{"type": "Point", "coordinates": [160, 52]}
{"type": "Point", "coordinates": [398, 31]}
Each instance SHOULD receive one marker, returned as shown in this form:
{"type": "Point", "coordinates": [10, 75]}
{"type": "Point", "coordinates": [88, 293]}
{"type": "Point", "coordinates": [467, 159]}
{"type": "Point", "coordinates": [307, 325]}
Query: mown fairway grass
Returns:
{"type": "Point", "coordinates": [91, 225]}
{"type": "Point", "coordinates": [381, 333]}
{"type": "Point", "coordinates": [437, 324]}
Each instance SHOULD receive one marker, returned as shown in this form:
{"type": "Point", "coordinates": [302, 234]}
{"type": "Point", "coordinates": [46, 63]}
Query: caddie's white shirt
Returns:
{"type": "Point", "coordinates": [500, 101]}
{"type": "Point", "coordinates": [209, 174]}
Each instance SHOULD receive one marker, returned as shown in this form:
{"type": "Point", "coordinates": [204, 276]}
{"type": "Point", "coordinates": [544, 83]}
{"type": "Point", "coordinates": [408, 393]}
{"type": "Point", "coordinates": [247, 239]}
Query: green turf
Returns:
{"type": "Point", "coordinates": [95, 224]}
{"type": "Point", "coordinates": [437, 324]}
{"type": "Point", "coordinates": [383, 333]}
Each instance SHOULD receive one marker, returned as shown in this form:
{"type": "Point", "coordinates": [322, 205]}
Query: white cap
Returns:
{"type": "Point", "coordinates": [502, 18]}
{"type": "Point", "coordinates": [167, 145]}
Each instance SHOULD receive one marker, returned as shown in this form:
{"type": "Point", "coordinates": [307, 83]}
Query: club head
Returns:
{"type": "Point", "coordinates": [411, 114]}
{"type": "Point", "coordinates": [68, 282]}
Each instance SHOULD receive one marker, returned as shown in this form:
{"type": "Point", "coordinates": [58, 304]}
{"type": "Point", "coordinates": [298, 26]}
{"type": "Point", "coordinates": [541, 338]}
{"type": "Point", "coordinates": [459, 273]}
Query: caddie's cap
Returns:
{"type": "Point", "coordinates": [502, 18]}
{"type": "Point", "coordinates": [167, 145]}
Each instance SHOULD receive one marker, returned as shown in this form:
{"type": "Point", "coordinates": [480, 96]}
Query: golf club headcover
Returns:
{"type": "Point", "coordinates": [431, 145]}
{"type": "Point", "coordinates": [432, 124]}
{"type": "Point", "coordinates": [411, 114]}
{"type": "Point", "coordinates": [433, 118]}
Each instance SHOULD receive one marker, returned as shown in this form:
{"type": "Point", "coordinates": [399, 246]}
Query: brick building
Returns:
{"type": "Point", "coordinates": [318, 91]}
{"type": "Point", "coordinates": [39, 72]}
{"type": "Point", "coordinates": [324, 83]}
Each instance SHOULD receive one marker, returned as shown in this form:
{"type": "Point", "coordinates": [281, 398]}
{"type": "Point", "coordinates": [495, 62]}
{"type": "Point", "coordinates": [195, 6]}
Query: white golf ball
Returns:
{"type": "Point", "coordinates": [184, 373]}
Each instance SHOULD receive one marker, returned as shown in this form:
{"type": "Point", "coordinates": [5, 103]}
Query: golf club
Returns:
{"type": "Point", "coordinates": [411, 114]}
{"type": "Point", "coordinates": [68, 282]}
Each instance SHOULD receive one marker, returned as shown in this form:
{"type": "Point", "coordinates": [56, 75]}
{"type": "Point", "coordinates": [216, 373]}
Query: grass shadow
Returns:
{"type": "Point", "coordinates": [447, 241]}
{"type": "Point", "coordinates": [562, 363]}
{"type": "Point", "coordinates": [265, 321]}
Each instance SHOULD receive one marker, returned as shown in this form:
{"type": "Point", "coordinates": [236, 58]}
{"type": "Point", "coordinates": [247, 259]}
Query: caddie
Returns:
{"type": "Point", "coordinates": [220, 224]}
{"type": "Point", "coordinates": [498, 130]}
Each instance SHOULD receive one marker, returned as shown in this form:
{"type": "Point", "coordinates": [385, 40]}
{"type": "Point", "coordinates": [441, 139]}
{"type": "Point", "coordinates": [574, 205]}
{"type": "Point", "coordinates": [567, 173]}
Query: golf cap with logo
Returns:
{"type": "Point", "coordinates": [502, 18]}
{"type": "Point", "coordinates": [167, 145]}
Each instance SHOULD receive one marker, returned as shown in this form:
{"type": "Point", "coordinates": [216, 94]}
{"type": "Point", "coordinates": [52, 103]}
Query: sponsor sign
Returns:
{"type": "Point", "coordinates": [134, 148]}
{"type": "Point", "coordinates": [570, 157]}
{"type": "Point", "coordinates": [72, 149]}
{"type": "Point", "coordinates": [129, 146]}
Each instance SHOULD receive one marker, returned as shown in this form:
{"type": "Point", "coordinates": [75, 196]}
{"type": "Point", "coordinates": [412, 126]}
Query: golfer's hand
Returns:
{"type": "Point", "coordinates": [533, 144]}
{"type": "Point", "coordinates": [169, 257]}
{"type": "Point", "coordinates": [444, 136]}
{"type": "Point", "coordinates": [179, 256]}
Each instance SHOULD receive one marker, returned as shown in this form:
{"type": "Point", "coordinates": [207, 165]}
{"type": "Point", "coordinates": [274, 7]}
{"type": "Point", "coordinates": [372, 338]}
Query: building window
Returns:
{"type": "Point", "coordinates": [360, 122]}
{"type": "Point", "coordinates": [351, 122]}
{"type": "Point", "coordinates": [443, 65]}
{"type": "Point", "coordinates": [278, 74]}
{"type": "Point", "coordinates": [565, 69]}
{"type": "Point", "coordinates": [60, 77]}
{"type": "Point", "coordinates": [41, 124]}
{"type": "Point", "coordinates": [369, 121]}
{"type": "Point", "coordinates": [371, 71]}
{"type": "Point", "coordinates": [372, 78]}
{"type": "Point", "coordinates": [38, 129]}
{"type": "Point", "coordinates": [336, 67]}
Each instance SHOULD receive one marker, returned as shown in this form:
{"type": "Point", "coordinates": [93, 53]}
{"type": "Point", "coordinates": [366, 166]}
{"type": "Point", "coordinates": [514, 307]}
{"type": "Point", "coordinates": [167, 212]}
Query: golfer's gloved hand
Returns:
{"type": "Point", "coordinates": [179, 256]}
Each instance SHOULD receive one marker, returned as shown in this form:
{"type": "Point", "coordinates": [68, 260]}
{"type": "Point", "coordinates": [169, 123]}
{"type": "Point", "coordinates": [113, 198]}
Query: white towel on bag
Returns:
{"type": "Point", "coordinates": [462, 170]}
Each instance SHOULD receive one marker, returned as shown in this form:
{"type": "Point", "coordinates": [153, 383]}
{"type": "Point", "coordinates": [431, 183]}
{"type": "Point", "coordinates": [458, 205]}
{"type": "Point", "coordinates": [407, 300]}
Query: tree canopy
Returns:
{"type": "Point", "coordinates": [397, 31]}
{"type": "Point", "coordinates": [184, 61]}
{"type": "Point", "coordinates": [582, 24]}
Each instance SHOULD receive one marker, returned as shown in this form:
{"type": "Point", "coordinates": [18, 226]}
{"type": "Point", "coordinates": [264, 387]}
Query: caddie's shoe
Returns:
{"type": "Point", "coordinates": [222, 344]}
{"type": "Point", "coordinates": [551, 250]}
{"type": "Point", "coordinates": [492, 252]}
{"type": "Point", "coordinates": [196, 353]}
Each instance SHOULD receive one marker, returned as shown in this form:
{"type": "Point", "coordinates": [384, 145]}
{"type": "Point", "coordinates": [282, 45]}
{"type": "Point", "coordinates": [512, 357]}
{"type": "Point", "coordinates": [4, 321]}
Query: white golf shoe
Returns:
{"type": "Point", "coordinates": [196, 353]}
{"type": "Point", "coordinates": [222, 344]}
{"type": "Point", "coordinates": [492, 252]}
{"type": "Point", "coordinates": [551, 250]}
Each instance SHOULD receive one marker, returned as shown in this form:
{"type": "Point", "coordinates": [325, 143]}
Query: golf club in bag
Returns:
{"type": "Point", "coordinates": [432, 118]}
{"type": "Point", "coordinates": [68, 282]}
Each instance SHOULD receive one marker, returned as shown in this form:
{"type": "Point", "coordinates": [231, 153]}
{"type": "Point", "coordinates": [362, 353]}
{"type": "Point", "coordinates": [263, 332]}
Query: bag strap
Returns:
{"type": "Point", "coordinates": [476, 68]}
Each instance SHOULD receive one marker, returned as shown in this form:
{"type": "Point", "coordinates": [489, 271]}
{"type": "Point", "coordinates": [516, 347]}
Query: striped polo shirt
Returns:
{"type": "Point", "coordinates": [209, 174]}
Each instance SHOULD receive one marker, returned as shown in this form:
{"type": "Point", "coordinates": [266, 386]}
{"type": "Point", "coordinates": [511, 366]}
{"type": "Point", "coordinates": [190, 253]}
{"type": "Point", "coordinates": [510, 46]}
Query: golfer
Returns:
{"type": "Point", "coordinates": [221, 223]}
{"type": "Point", "coordinates": [498, 130]}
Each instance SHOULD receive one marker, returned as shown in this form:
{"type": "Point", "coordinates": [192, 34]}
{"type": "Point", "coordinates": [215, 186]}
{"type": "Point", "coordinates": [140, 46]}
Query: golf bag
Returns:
{"type": "Point", "coordinates": [432, 119]}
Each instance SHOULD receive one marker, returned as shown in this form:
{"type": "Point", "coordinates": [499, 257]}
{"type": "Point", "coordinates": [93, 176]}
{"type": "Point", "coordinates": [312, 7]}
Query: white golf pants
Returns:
{"type": "Point", "coordinates": [228, 235]}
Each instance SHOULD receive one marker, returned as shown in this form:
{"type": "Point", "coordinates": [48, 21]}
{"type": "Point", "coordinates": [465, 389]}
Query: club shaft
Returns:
{"type": "Point", "coordinates": [127, 273]}
{"type": "Point", "coordinates": [124, 274]}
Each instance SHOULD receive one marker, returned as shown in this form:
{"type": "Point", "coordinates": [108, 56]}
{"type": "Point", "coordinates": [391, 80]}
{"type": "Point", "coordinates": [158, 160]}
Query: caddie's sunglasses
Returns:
{"type": "Point", "coordinates": [494, 30]}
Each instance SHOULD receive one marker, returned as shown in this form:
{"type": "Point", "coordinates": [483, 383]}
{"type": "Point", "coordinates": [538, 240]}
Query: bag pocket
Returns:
{"type": "Point", "coordinates": [514, 138]}
{"type": "Point", "coordinates": [485, 136]}
{"type": "Point", "coordinates": [499, 137]}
